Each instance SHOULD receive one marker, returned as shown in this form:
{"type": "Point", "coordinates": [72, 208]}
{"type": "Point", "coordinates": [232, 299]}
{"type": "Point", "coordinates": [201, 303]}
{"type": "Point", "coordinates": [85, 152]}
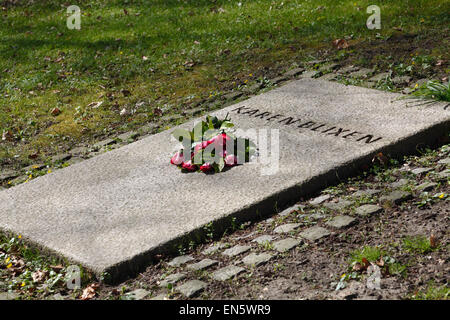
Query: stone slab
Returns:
{"type": "Point", "coordinates": [178, 261]}
{"type": "Point", "coordinates": [214, 248]}
{"type": "Point", "coordinates": [341, 204]}
{"type": "Point", "coordinates": [205, 263]}
{"type": "Point", "coordinates": [397, 197]}
{"type": "Point", "coordinates": [286, 228]}
{"type": "Point", "coordinates": [116, 211]}
{"type": "Point", "coordinates": [263, 239]}
{"type": "Point", "coordinates": [368, 209]}
{"type": "Point", "coordinates": [227, 272]}
{"type": "Point", "coordinates": [137, 294]}
{"type": "Point", "coordinates": [319, 199]}
{"type": "Point", "coordinates": [192, 288]}
{"type": "Point", "coordinates": [426, 186]}
{"type": "Point", "coordinates": [254, 259]}
{"type": "Point", "coordinates": [367, 192]}
{"type": "Point", "coordinates": [341, 222]}
{"type": "Point", "coordinates": [236, 250]}
{"type": "Point", "coordinates": [286, 244]}
{"type": "Point", "coordinates": [172, 279]}
{"type": "Point", "coordinates": [315, 233]}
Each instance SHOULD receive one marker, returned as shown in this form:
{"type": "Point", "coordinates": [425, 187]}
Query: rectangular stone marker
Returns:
{"type": "Point", "coordinates": [116, 211]}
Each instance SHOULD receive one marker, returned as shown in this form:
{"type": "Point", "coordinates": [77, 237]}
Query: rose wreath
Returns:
{"type": "Point", "coordinates": [210, 147]}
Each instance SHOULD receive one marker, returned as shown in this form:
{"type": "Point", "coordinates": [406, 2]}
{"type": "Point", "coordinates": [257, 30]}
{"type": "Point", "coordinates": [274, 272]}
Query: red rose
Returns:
{"type": "Point", "coordinates": [177, 159]}
{"type": "Point", "coordinates": [189, 166]}
{"type": "Point", "coordinates": [230, 160]}
{"type": "Point", "coordinates": [207, 167]}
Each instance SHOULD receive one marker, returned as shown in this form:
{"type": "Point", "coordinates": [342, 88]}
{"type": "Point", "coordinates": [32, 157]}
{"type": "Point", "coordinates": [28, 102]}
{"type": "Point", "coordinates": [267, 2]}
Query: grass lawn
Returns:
{"type": "Point", "coordinates": [140, 57]}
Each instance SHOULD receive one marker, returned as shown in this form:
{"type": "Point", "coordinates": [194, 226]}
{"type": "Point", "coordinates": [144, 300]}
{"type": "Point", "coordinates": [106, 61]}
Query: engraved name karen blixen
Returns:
{"type": "Point", "coordinates": [318, 127]}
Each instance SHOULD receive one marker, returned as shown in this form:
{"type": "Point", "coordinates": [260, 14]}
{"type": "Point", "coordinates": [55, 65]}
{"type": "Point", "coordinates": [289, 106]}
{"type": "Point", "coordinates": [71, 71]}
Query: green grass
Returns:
{"type": "Point", "coordinates": [433, 292]}
{"type": "Point", "coordinates": [195, 50]}
{"type": "Point", "coordinates": [371, 253]}
{"type": "Point", "coordinates": [418, 245]}
{"type": "Point", "coordinates": [433, 90]}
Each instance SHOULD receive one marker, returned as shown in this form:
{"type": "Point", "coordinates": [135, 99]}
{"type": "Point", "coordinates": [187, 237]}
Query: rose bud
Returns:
{"type": "Point", "coordinates": [200, 146]}
{"type": "Point", "coordinates": [220, 140]}
{"type": "Point", "coordinates": [177, 159]}
{"type": "Point", "coordinates": [189, 166]}
{"type": "Point", "coordinates": [207, 167]}
{"type": "Point", "coordinates": [230, 160]}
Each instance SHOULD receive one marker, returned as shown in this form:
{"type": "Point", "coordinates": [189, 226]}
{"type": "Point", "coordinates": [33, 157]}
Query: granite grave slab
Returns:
{"type": "Point", "coordinates": [115, 212]}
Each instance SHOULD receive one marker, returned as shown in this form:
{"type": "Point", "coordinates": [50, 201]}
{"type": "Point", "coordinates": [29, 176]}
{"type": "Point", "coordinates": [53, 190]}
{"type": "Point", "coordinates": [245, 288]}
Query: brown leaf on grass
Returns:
{"type": "Point", "coordinates": [7, 136]}
{"type": "Point", "coordinates": [380, 262]}
{"type": "Point", "coordinates": [33, 155]}
{"type": "Point", "coordinates": [157, 112]}
{"type": "Point", "coordinates": [90, 291]}
{"type": "Point", "coordinates": [365, 262]}
{"type": "Point", "coordinates": [360, 267]}
{"type": "Point", "coordinates": [39, 276]}
{"type": "Point", "coordinates": [57, 268]}
{"type": "Point", "coordinates": [381, 159]}
{"type": "Point", "coordinates": [340, 44]}
{"type": "Point", "coordinates": [55, 112]}
{"type": "Point", "coordinates": [434, 243]}
{"type": "Point", "coordinates": [357, 267]}
{"type": "Point", "coordinates": [95, 105]}
{"type": "Point", "coordinates": [125, 92]}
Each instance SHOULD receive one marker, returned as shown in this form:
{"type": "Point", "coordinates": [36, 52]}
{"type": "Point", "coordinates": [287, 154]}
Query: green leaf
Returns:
{"type": "Point", "coordinates": [221, 164]}
{"type": "Point", "coordinates": [199, 130]}
{"type": "Point", "coordinates": [210, 133]}
{"type": "Point", "coordinates": [226, 124]}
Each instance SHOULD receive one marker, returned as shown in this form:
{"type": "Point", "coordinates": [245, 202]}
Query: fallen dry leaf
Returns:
{"type": "Point", "coordinates": [39, 276]}
{"type": "Point", "coordinates": [434, 243]}
{"type": "Point", "coordinates": [380, 262]}
{"type": "Point", "coordinates": [90, 291]}
{"type": "Point", "coordinates": [55, 112]}
{"type": "Point", "coordinates": [57, 268]}
{"type": "Point", "coordinates": [95, 105]}
{"type": "Point", "coordinates": [7, 136]}
{"type": "Point", "coordinates": [340, 44]}
{"type": "Point", "coordinates": [33, 155]}
{"type": "Point", "coordinates": [157, 112]}
{"type": "Point", "coordinates": [381, 159]}
{"type": "Point", "coordinates": [125, 92]}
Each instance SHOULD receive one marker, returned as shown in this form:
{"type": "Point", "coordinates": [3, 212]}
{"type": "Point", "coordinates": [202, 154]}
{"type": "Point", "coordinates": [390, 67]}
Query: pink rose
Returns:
{"type": "Point", "coordinates": [220, 140]}
{"type": "Point", "coordinates": [177, 159]}
{"type": "Point", "coordinates": [230, 160]}
{"type": "Point", "coordinates": [189, 166]}
{"type": "Point", "coordinates": [200, 146]}
{"type": "Point", "coordinates": [207, 167]}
